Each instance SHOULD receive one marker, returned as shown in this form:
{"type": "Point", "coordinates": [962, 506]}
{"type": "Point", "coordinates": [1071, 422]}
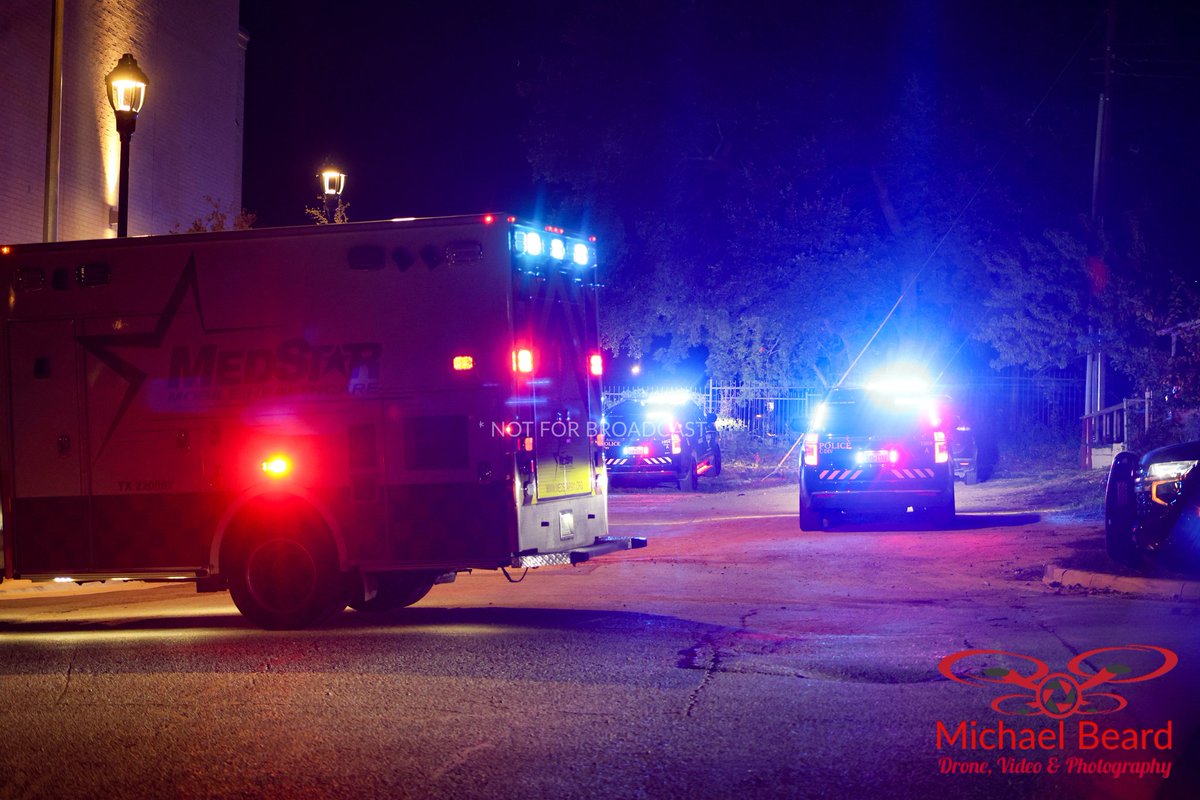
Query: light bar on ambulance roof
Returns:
{"type": "Point", "coordinates": [529, 243]}
{"type": "Point", "coordinates": [554, 243]}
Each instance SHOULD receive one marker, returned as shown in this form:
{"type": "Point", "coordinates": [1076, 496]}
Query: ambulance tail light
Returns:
{"type": "Point", "coordinates": [463, 363]}
{"type": "Point", "coordinates": [522, 361]}
{"type": "Point", "coordinates": [277, 466]}
{"type": "Point", "coordinates": [941, 453]}
{"type": "Point", "coordinates": [810, 449]}
{"type": "Point", "coordinates": [596, 364]}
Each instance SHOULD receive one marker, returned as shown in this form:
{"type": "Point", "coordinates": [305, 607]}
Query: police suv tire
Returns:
{"type": "Point", "coordinates": [396, 590]}
{"type": "Point", "coordinates": [1119, 514]}
{"type": "Point", "coordinates": [693, 478]}
{"type": "Point", "coordinates": [716, 461]}
{"type": "Point", "coordinates": [810, 518]}
{"type": "Point", "coordinates": [943, 516]}
{"type": "Point", "coordinates": [286, 579]}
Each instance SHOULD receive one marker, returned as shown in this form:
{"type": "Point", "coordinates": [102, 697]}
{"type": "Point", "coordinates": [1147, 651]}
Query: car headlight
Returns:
{"type": "Point", "coordinates": [1169, 470]}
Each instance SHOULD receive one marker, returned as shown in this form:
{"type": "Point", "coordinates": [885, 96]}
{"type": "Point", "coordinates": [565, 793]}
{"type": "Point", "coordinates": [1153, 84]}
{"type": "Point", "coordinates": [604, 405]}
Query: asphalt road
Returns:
{"type": "Point", "coordinates": [734, 657]}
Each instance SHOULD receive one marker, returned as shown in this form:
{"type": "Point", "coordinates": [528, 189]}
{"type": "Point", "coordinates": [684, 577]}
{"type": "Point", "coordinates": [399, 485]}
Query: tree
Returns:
{"type": "Point", "coordinates": [218, 219]}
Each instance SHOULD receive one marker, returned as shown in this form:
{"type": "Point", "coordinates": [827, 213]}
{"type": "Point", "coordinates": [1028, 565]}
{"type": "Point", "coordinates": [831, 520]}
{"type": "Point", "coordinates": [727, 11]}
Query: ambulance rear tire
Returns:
{"type": "Point", "coordinates": [395, 590]}
{"type": "Point", "coordinates": [286, 579]}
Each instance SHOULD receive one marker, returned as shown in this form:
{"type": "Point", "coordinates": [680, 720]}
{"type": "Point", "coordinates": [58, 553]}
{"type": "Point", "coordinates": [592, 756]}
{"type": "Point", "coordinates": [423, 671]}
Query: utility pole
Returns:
{"type": "Point", "coordinates": [1094, 381]}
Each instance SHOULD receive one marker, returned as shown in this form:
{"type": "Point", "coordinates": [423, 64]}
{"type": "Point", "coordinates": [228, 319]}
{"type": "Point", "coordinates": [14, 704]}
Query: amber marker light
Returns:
{"type": "Point", "coordinates": [461, 363]}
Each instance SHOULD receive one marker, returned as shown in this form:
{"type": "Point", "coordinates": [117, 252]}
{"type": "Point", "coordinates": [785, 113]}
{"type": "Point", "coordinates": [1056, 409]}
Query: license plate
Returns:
{"type": "Point", "coordinates": [872, 456]}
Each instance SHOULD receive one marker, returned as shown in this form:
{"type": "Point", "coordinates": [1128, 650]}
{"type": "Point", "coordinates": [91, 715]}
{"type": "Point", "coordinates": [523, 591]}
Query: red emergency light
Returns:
{"type": "Point", "coordinates": [596, 364]}
{"type": "Point", "coordinates": [941, 453]}
{"type": "Point", "coordinates": [522, 360]}
{"type": "Point", "coordinates": [810, 449]}
{"type": "Point", "coordinates": [276, 466]}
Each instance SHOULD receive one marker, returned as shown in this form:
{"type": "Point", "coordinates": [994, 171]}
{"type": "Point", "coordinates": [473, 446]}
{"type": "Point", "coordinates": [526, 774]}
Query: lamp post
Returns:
{"type": "Point", "coordinates": [126, 86]}
{"type": "Point", "coordinates": [333, 183]}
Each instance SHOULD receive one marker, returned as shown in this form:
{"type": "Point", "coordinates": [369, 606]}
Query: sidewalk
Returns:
{"type": "Point", "coordinates": [18, 589]}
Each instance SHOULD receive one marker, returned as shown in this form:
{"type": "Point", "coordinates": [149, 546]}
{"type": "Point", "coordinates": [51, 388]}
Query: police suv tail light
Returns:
{"type": "Point", "coordinates": [676, 444]}
{"type": "Point", "coordinates": [462, 363]}
{"type": "Point", "coordinates": [941, 453]}
{"type": "Point", "coordinates": [810, 449]}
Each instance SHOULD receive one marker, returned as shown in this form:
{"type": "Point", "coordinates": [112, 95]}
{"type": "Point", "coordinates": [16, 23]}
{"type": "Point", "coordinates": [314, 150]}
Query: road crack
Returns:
{"type": "Point", "coordinates": [70, 673]}
{"type": "Point", "coordinates": [711, 667]}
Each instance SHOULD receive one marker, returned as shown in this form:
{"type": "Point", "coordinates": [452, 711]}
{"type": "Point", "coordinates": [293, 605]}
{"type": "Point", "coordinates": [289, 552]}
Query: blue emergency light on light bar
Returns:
{"type": "Point", "coordinates": [555, 244]}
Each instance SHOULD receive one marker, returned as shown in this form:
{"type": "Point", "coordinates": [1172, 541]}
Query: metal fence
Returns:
{"type": "Point", "coordinates": [1005, 403]}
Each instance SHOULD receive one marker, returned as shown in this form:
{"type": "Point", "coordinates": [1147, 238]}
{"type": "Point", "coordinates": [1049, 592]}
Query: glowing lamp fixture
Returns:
{"type": "Point", "coordinates": [333, 182]}
{"type": "Point", "coordinates": [126, 87]}
{"type": "Point", "coordinates": [276, 466]}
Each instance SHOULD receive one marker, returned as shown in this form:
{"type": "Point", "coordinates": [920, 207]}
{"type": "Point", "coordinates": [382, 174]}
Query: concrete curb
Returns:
{"type": "Point", "coordinates": [15, 589]}
{"type": "Point", "coordinates": [1173, 589]}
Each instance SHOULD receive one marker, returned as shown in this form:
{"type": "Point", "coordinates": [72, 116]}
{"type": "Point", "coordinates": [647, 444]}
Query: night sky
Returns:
{"type": "Point", "coordinates": [419, 103]}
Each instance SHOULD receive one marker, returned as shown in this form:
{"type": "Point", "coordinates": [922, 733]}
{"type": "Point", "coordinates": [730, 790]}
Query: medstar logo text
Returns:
{"type": "Point", "coordinates": [292, 361]}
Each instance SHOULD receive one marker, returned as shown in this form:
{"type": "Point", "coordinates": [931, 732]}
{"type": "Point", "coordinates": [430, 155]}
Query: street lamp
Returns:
{"type": "Point", "coordinates": [333, 183]}
{"type": "Point", "coordinates": [126, 86]}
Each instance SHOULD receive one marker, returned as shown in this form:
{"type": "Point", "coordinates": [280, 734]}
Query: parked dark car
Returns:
{"type": "Point", "coordinates": [1152, 507]}
{"type": "Point", "coordinates": [650, 442]}
{"type": "Point", "coordinates": [876, 451]}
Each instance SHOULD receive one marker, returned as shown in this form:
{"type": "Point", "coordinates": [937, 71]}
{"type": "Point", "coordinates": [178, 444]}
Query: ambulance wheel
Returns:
{"type": "Point", "coordinates": [286, 579]}
{"type": "Point", "coordinates": [395, 590]}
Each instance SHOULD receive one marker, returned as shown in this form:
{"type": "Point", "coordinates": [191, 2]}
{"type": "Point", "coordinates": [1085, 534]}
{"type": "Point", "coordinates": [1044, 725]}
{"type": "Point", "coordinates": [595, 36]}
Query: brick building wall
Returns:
{"type": "Point", "coordinates": [188, 143]}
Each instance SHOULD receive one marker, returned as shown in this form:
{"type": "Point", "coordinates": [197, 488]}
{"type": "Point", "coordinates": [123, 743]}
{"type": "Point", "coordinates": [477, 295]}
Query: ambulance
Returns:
{"type": "Point", "coordinates": [307, 417]}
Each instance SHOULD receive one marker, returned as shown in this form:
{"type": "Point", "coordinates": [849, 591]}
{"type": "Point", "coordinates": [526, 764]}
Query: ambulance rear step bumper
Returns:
{"type": "Point", "coordinates": [602, 546]}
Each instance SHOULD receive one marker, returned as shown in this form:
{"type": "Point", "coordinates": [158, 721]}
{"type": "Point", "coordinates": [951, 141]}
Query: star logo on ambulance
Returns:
{"type": "Point", "coordinates": [147, 336]}
{"type": "Point", "coordinates": [1058, 695]}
